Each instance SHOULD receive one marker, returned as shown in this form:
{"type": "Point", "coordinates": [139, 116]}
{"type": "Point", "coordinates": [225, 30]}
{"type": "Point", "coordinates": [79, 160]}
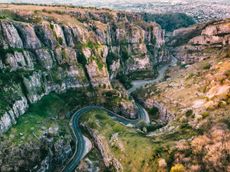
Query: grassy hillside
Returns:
{"type": "Point", "coordinates": [133, 150]}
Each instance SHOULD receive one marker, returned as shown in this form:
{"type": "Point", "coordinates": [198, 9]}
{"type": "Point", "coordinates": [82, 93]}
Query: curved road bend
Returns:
{"type": "Point", "coordinates": [78, 136]}
{"type": "Point", "coordinates": [140, 83]}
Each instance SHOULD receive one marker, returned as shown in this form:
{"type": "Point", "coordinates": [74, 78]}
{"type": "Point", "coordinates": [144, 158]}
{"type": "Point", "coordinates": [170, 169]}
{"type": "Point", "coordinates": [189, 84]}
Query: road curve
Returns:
{"type": "Point", "coordinates": [142, 116]}
{"type": "Point", "coordinates": [161, 73]}
{"type": "Point", "coordinates": [78, 136]}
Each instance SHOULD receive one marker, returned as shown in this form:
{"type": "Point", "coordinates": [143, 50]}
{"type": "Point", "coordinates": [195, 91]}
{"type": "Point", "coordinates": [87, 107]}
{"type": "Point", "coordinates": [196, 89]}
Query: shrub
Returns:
{"type": "Point", "coordinates": [37, 20]}
{"type": "Point", "coordinates": [124, 80]}
{"type": "Point", "coordinates": [200, 131]}
{"type": "Point", "coordinates": [111, 58]}
{"type": "Point", "coordinates": [185, 126]}
{"type": "Point", "coordinates": [178, 168]}
{"type": "Point", "coordinates": [10, 15]}
{"type": "Point", "coordinates": [227, 73]}
{"type": "Point", "coordinates": [170, 22]}
{"type": "Point", "coordinates": [189, 112]}
{"type": "Point", "coordinates": [227, 122]}
{"type": "Point", "coordinates": [207, 66]}
{"type": "Point", "coordinates": [124, 53]}
{"type": "Point", "coordinates": [60, 40]}
{"type": "Point", "coordinates": [99, 62]}
{"type": "Point", "coordinates": [190, 75]}
{"type": "Point", "coordinates": [158, 151]}
{"type": "Point", "coordinates": [52, 26]}
{"type": "Point", "coordinates": [205, 114]}
{"type": "Point", "coordinates": [82, 59]}
{"type": "Point", "coordinates": [141, 124]}
{"type": "Point", "coordinates": [222, 104]}
{"type": "Point", "coordinates": [91, 45]}
{"type": "Point", "coordinates": [181, 65]}
{"type": "Point", "coordinates": [154, 112]}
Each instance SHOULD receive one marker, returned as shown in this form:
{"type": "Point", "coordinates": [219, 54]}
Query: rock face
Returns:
{"type": "Point", "coordinates": [9, 117]}
{"type": "Point", "coordinates": [51, 54]}
{"type": "Point", "coordinates": [164, 115]}
{"type": "Point", "coordinates": [198, 39]}
{"type": "Point", "coordinates": [108, 158]}
{"type": "Point", "coordinates": [47, 154]}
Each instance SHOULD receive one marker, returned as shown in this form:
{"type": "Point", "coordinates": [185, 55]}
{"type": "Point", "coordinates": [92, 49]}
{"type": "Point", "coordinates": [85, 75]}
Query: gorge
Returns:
{"type": "Point", "coordinates": [62, 62]}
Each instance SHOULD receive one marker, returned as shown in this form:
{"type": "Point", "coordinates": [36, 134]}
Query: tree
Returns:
{"type": "Point", "coordinates": [178, 168]}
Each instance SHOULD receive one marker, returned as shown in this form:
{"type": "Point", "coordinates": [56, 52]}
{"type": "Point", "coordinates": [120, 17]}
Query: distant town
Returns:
{"type": "Point", "coordinates": [200, 10]}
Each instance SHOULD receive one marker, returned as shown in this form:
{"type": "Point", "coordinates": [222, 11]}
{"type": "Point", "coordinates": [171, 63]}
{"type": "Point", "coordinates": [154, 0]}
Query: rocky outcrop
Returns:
{"type": "Point", "coordinates": [28, 36]}
{"type": "Point", "coordinates": [9, 118]}
{"type": "Point", "coordinates": [103, 147]}
{"type": "Point", "coordinates": [18, 60]}
{"type": "Point", "coordinates": [199, 40]}
{"type": "Point", "coordinates": [52, 55]}
{"type": "Point", "coordinates": [10, 36]}
{"type": "Point", "coordinates": [164, 115]}
{"type": "Point", "coordinates": [139, 48]}
{"type": "Point", "coordinates": [47, 153]}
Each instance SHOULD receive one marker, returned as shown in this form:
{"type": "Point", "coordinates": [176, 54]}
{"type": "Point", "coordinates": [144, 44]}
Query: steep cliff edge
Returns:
{"type": "Point", "coordinates": [45, 49]}
{"type": "Point", "coordinates": [199, 42]}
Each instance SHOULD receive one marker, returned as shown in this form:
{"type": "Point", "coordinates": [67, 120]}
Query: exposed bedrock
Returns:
{"type": "Point", "coordinates": [199, 42]}
{"type": "Point", "coordinates": [37, 58]}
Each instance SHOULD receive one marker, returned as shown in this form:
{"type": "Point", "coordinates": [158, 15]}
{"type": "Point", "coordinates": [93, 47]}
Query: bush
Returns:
{"type": "Point", "coordinates": [185, 126]}
{"type": "Point", "coordinates": [178, 168]}
{"type": "Point", "coordinates": [141, 124]}
{"type": "Point", "coordinates": [60, 40]}
{"type": "Point", "coordinates": [207, 66]}
{"type": "Point", "coordinates": [91, 45]}
{"type": "Point", "coordinates": [227, 73]}
{"type": "Point", "coordinates": [205, 114]}
{"type": "Point", "coordinates": [154, 112]}
{"type": "Point", "coordinates": [111, 58]}
{"type": "Point", "coordinates": [52, 26]}
{"type": "Point", "coordinates": [181, 65]}
{"type": "Point", "coordinates": [81, 59]}
{"type": "Point", "coordinates": [124, 80]}
{"type": "Point", "coordinates": [227, 122]}
{"type": "Point", "coordinates": [189, 112]}
{"type": "Point", "coordinates": [158, 151]}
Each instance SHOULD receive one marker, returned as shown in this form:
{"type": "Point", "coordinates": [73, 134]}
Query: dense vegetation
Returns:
{"type": "Point", "coordinates": [170, 22]}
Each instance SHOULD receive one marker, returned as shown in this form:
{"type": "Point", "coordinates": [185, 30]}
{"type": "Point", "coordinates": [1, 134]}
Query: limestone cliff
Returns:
{"type": "Point", "coordinates": [44, 50]}
{"type": "Point", "coordinates": [198, 42]}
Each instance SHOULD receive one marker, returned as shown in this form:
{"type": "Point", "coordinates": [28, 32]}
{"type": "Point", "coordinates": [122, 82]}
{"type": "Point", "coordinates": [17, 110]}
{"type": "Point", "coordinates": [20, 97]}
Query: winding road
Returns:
{"type": "Point", "coordinates": [75, 120]}
{"type": "Point", "coordinates": [78, 136]}
{"type": "Point", "coordinates": [161, 73]}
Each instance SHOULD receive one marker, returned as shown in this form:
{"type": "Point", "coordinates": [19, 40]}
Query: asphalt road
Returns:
{"type": "Point", "coordinates": [78, 136]}
{"type": "Point", "coordinates": [140, 83]}
{"type": "Point", "coordinates": [74, 123]}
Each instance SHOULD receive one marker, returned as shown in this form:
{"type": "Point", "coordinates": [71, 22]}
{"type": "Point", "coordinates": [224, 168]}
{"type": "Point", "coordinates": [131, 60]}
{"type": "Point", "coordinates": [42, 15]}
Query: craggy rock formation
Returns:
{"type": "Point", "coordinates": [193, 44]}
{"type": "Point", "coordinates": [58, 50]}
{"type": "Point", "coordinates": [164, 115]}
{"type": "Point", "coordinates": [103, 147]}
{"type": "Point", "coordinates": [50, 153]}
